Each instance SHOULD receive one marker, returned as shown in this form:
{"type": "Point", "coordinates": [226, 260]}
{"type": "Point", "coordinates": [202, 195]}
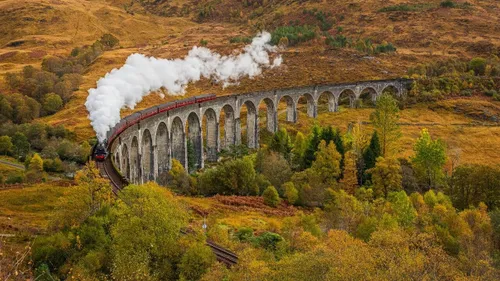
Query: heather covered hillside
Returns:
{"type": "Point", "coordinates": [400, 187]}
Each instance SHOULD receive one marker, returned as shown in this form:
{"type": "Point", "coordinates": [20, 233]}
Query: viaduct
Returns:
{"type": "Point", "coordinates": [145, 150]}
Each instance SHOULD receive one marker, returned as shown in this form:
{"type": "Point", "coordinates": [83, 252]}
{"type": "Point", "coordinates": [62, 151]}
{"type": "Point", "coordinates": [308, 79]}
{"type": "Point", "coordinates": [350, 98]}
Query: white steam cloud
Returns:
{"type": "Point", "coordinates": [141, 75]}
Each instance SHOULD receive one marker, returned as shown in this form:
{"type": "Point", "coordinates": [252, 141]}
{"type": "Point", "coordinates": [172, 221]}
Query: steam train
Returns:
{"type": "Point", "coordinates": [100, 151]}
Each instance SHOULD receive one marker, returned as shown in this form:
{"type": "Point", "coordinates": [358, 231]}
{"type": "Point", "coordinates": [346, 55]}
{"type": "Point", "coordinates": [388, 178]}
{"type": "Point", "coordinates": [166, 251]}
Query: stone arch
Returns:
{"type": "Point", "coordinates": [271, 122]}
{"type": "Point", "coordinates": [368, 96]}
{"type": "Point", "coordinates": [249, 117]}
{"type": "Point", "coordinates": [194, 138]}
{"type": "Point", "coordinates": [327, 98]}
{"type": "Point", "coordinates": [347, 97]}
{"type": "Point", "coordinates": [227, 126]}
{"type": "Point", "coordinates": [178, 141]}
{"type": "Point", "coordinates": [392, 90]}
{"type": "Point", "coordinates": [147, 156]}
{"type": "Point", "coordinates": [162, 148]}
{"type": "Point", "coordinates": [135, 166]}
{"type": "Point", "coordinates": [309, 102]}
{"type": "Point", "coordinates": [125, 164]}
{"type": "Point", "coordinates": [211, 137]}
{"type": "Point", "coordinates": [291, 109]}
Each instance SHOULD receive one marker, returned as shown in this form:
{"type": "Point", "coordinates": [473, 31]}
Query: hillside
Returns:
{"type": "Point", "coordinates": [422, 31]}
{"type": "Point", "coordinates": [316, 210]}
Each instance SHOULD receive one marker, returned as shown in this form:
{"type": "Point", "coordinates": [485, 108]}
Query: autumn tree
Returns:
{"type": "Point", "coordinates": [313, 182]}
{"type": "Point", "coordinates": [35, 169]}
{"type": "Point", "coordinates": [384, 119]}
{"type": "Point", "coordinates": [281, 143]}
{"type": "Point", "coordinates": [386, 176]}
{"type": "Point", "coordinates": [298, 151]}
{"type": "Point", "coordinates": [473, 184]}
{"type": "Point", "coordinates": [5, 109]}
{"type": "Point", "coordinates": [403, 208]}
{"type": "Point", "coordinates": [5, 145]}
{"type": "Point", "coordinates": [86, 199]}
{"type": "Point", "coordinates": [178, 179]}
{"type": "Point", "coordinates": [271, 197]}
{"type": "Point", "coordinates": [339, 145]}
{"type": "Point", "coordinates": [327, 163]}
{"type": "Point", "coordinates": [359, 142]}
{"type": "Point", "coordinates": [52, 103]}
{"type": "Point", "coordinates": [350, 180]}
{"type": "Point", "coordinates": [146, 234]}
{"type": "Point", "coordinates": [195, 262]}
{"type": "Point", "coordinates": [429, 160]}
{"type": "Point", "coordinates": [291, 193]}
{"type": "Point", "coordinates": [21, 144]}
{"type": "Point", "coordinates": [236, 176]}
{"type": "Point", "coordinates": [343, 211]}
{"type": "Point", "coordinates": [275, 168]}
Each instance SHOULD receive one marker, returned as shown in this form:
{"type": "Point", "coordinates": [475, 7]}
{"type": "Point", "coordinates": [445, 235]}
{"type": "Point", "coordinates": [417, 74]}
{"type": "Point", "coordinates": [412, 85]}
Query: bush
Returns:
{"type": "Point", "coordinates": [195, 262]}
{"type": "Point", "coordinates": [51, 250]}
{"type": "Point", "coordinates": [268, 240]}
{"type": "Point", "coordinates": [271, 197]}
{"type": "Point", "coordinates": [244, 234]}
{"type": "Point", "coordinates": [55, 165]}
{"type": "Point", "coordinates": [15, 178]}
{"type": "Point", "coordinates": [478, 65]}
{"type": "Point", "coordinates": [295, 34]}
{"type": "Point", "coordinates": [234, 177]}
{"type": "Point", "coordinates": [291, 193]}
{"type": "Point", "coordinates": [109, 41]}
{"type": "Point", "coordinates": [466, 93]}
{"type": "Point", "coordinates": [339, 41]}
{"type": "Point", "coordinates": [203, 42]}
{"type": "Point", "coordinates": [490, 93]}
{"type": "Point", "coordinates": [52, 103]}
{"type": "Point", "coordinates": [448, 4]}
{"type": "Point", "coordinates": [385, 48]}
{"type": "Point", "coordinates": [5, 145]}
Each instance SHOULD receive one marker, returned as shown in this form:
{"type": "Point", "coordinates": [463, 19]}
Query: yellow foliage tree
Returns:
{"type": "Point", "coordinates": [386, 176]}
{"type": "Point", "coordinates": [350, 180]}
{"type": "Point", "coordinates": [91, 193]}
{"type": "Point", "coordinates": [35, 169]}
{"type": "Point", "coordinates": [327, 163]}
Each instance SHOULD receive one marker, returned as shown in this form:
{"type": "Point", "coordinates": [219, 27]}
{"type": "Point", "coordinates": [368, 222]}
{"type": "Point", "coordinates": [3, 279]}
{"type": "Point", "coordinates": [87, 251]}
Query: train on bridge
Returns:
{"type": "Point", "coordinates": [100, 151]}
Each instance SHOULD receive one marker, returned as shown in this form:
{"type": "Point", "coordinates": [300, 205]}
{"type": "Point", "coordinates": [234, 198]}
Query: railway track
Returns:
{"type": "Point", "coordinates": [118, 182]}
{"type": "Point", "coordinates": [223, 255]}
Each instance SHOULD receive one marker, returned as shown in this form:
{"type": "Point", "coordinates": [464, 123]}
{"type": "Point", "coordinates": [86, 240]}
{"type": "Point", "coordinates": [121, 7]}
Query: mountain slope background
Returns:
{"type": "Point", "coordinates": [422, 32]}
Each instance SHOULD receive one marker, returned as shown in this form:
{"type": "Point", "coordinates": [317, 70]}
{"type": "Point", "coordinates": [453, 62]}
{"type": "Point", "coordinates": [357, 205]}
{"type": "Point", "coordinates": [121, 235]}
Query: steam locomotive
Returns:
{"type": "Point", "coordinates": [100, 151]}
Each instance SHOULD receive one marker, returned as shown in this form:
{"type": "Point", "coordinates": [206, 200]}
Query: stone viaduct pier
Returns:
{"type": "Point", "coordinates": [145, 150]}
